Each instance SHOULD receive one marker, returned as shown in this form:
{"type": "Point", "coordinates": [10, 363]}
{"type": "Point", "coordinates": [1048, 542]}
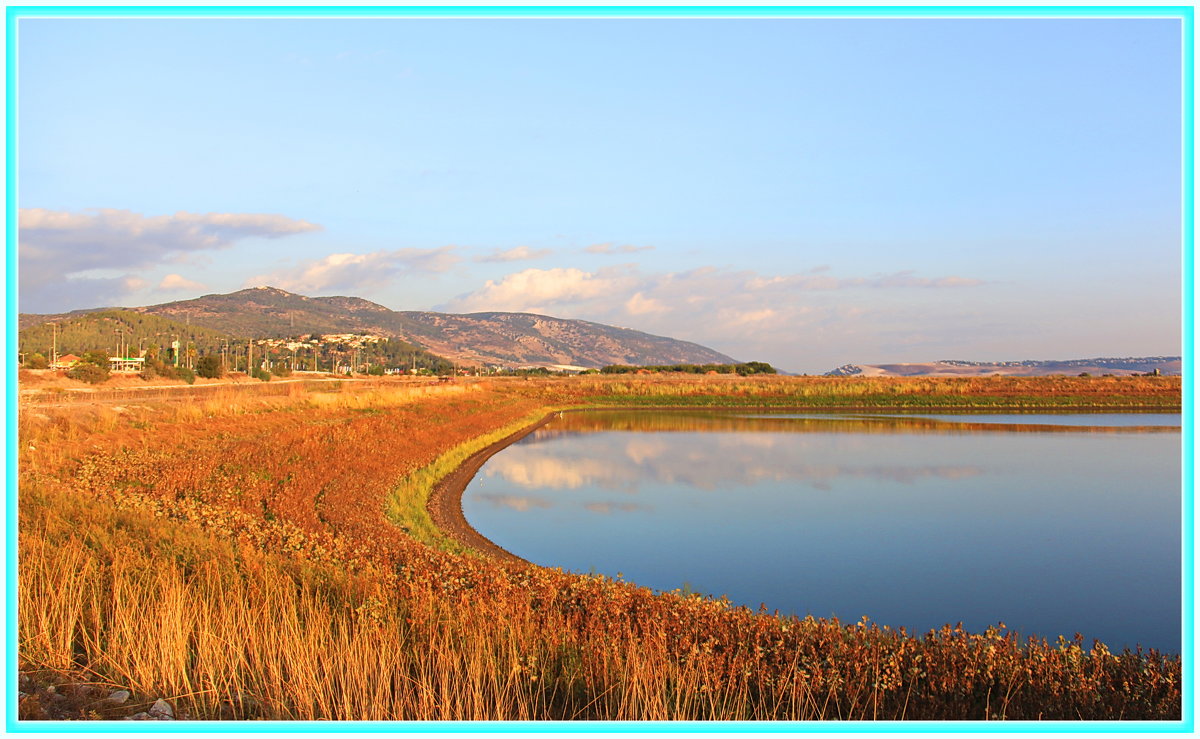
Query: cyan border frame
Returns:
{"type": "Point", "coordinates": [1184, 13]}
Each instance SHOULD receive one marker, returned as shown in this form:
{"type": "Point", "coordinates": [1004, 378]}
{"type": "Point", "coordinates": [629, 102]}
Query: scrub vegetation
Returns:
{"type": "Point", "coordinates": [268, 556]}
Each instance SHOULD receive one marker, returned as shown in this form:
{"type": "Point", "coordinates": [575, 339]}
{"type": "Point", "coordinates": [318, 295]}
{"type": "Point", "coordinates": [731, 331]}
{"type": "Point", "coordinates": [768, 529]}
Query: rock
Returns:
{"type": "Point", "coordinates": [117, 697]}
{"type": "Point", "coordinates": [162, 710]}
{"type": "Point", "coordinates": [143, 716]}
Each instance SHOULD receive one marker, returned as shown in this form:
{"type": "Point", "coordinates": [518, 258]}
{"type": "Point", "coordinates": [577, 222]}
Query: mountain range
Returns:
{"type": "Point", "coordinates": [494, 338]}
{"type": "Point", "coordinates": [1116, 366]}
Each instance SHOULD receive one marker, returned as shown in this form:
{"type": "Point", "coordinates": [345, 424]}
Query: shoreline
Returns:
{"type": "Point", "coordinates": [445, 500]}
{"type": "Point", "coordinates": [897, 408]}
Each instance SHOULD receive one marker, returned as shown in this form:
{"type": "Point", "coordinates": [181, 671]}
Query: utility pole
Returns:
{"type": "Point", "coordinates": [54, 345]}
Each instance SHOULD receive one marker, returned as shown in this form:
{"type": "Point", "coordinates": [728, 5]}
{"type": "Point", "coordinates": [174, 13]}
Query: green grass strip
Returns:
{"type": "Point", "coordinates": [407, 505]}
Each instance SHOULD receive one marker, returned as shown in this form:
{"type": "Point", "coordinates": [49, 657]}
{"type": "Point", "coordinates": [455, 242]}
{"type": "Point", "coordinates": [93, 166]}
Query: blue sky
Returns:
{"type": "Point", "coordinates": [801, 191]}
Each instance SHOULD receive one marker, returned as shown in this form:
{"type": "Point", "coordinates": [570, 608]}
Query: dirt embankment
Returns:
{"type": "Point", "coordinates": [445, 501]}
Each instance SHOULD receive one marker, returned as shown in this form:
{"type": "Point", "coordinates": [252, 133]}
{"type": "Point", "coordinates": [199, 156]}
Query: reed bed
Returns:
{"type": "Point", "coordinates": [241, 565]}
{"type": "Point", "coordinates": [887, 392]}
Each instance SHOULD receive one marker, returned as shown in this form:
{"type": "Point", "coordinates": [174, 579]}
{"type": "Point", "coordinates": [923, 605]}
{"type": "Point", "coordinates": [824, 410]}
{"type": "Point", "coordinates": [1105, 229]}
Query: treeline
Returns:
{"type": "Point", "coordinates": [111, 330]}
{"type": "Point", "coordinates": [390, 354]}
{"type": "Point", "coordinates": [131, 334]}
{"type": "Point", "coordinates": [744, 368]}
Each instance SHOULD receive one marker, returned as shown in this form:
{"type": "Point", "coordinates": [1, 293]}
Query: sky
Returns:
{"type": "Point", "coordinates": [806, 192]}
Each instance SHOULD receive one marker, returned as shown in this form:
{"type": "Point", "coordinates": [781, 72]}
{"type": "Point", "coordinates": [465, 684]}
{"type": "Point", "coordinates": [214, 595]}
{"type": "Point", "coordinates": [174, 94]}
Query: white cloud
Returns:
{"type": "Point", "coordinates": [520, 503]}
{"type": "Point", "coordinates": [907, 279]}
{"type": "Point", "coordinates": [60, 252]}
{"type": "Point", "coordinates": [745, 314]}
{"type": "Point", "coordinates": [179, 283]}
{"type": "Point", "coordinates": [750, 317]}
{"type": "Point", "coordinates": [55, 244]}
{"type": "Point", "coordinates": [739, 298]}
{"type": "Point", "coordinates": [351, 272]}
{"type": "Point", "coordinates": [515, 254]}
{"type": "Point", "coordinates": [608, 248]}
{"type": "Point", "coordinates": [542, 290]}
{"type": "Point", "coordinates": [639, 304]}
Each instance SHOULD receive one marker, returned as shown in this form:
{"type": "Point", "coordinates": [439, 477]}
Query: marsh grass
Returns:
{"type": "Point", "coordinates": [239, 563]}
{"type": "Point", "coordinates": [888, 392]}
{"type": "Point", "coordinates": [407, 506]}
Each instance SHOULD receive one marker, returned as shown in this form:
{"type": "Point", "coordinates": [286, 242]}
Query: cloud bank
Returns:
{"type": "Point", "coordinates": [355, 272]}
{"type": "Point", "coordinates": [59, 252]}
{"type": "Point", "coordinates": [743, 313]}
{"type": "Point", "coordinates": [608, 248]}
{"type": "Point", "coordinates": [515, 254]}
{"type": "Point", "coordinates": [179, 283]}
{"type": "Point", "coordinates": [623, 289]}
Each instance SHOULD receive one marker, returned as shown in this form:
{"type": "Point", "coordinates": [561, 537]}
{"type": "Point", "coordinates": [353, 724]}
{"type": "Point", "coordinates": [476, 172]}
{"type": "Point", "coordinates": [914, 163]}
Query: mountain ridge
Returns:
{"type": "Point", "coordinates": [487, 337]}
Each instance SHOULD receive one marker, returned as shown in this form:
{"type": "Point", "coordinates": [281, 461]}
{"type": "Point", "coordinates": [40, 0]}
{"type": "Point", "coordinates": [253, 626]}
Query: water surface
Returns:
{"type": "Point", "coordinates": [1049, 523]}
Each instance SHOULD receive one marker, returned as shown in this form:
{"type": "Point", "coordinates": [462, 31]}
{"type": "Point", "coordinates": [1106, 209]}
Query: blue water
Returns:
{"type": "Point", "coordinates": [1049, 532]}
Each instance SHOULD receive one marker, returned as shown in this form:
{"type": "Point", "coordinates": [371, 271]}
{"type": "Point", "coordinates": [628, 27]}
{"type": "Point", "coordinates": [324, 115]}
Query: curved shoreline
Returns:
{"type": "Point", "coordinates": [445, 500]}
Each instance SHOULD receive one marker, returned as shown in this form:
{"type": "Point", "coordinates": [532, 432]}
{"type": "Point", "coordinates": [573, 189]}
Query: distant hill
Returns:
{"type": "Point", "coordinates": [507, 339]}
{"type": "Point", "coordinates": [1025, 368]}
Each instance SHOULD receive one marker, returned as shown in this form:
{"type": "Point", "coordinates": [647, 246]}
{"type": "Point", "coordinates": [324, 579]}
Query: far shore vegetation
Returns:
{"type": "Point", "coordinates": [262, 550]}
{"type": "Point", "coordinates": [741, 368]}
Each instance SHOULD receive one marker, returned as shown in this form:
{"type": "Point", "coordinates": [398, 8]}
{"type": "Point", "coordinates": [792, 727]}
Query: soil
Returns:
{"type": "Point", "coordinates": [445, 501]}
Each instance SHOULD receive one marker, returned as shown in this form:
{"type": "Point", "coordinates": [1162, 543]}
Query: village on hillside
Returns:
{"type": "Point", "coordinates": [341, 354]}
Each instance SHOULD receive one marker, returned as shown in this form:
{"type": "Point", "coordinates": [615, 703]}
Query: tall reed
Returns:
{"type": "Point", "coordinates": [239, 563]}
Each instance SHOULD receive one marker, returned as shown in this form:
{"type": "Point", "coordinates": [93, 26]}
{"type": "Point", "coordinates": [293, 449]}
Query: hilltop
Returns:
{"type": "Point", "coordinates": [494, 338]}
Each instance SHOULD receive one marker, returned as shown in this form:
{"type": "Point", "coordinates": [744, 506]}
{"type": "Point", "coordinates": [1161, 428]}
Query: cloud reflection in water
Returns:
{"type": "Point", "coordinates": [713, 461]}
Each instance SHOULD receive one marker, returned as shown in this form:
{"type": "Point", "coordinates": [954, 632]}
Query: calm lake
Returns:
{"type": "Point", "coordinates": [1050, 523]}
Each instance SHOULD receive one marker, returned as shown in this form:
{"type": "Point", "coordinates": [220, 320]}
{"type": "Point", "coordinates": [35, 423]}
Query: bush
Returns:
{"type": "Point", "coordinates": [92, 374]}
{"type": "Point", "coordinates": [209, 366]}
{"type": "Point", "coordinates": [36, 361]}
{"type": "Point", "coordinates": [755, 368]}
{"type": "Point", "coordinates": [261, 374]}
{"type": "Point", "coordinates": [157, 368]}
{"type": "Point", "coordinates": [186, 375]}
{"type": "Point", "coordinates": [281, 370]}
{"type": "Point", "coordinates": [98, 358]}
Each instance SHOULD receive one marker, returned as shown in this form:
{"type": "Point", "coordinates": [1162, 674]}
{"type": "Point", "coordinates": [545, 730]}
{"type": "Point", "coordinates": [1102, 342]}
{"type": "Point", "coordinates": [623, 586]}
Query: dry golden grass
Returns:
{"type": "Point", "coordinates": [233, 555]}
{"type": "Point", "coordinates": [913, 392]}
